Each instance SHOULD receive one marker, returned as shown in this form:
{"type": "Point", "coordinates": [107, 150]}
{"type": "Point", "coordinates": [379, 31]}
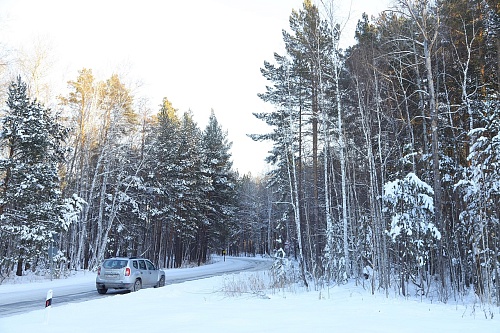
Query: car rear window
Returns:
{"type": "Point", "coordinates": [114, 263]}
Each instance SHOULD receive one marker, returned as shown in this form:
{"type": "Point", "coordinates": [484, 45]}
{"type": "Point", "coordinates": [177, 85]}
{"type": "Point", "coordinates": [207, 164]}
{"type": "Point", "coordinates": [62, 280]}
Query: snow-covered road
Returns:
{"type": "Point", "coordinates": [25, 297]}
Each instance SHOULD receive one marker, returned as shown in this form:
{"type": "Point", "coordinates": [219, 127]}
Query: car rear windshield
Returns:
{"type": "Point", "coordinates": [114, 263]}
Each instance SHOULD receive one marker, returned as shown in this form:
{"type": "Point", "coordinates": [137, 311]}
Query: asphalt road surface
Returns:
{"type": "Point", "coordinates": [21, 301]}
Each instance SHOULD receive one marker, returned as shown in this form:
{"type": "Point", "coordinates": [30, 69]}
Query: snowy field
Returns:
{"type": "Point", "coordinates": [216, 305]}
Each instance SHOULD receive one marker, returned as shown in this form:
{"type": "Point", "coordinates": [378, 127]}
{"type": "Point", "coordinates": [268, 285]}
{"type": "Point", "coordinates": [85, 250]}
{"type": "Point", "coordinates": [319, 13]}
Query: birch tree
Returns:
{"type": "Point", "coordinates": [335, 33]}
{"type": "Point", "coordinates": [78, 178]}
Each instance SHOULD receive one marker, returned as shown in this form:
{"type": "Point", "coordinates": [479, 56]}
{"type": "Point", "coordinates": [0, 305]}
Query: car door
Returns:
{"type": "Point", "coordinates": [145, 276]}
{"type": "Point", "coordinates": [152, 273]}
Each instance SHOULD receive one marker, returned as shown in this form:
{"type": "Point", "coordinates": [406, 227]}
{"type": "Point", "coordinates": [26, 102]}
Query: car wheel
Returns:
{"type": "Point", "coordinates": [137, 285]}
{"type": "Point", "coordinates": [102, 291]}
{"type": "Point", "coordinates": [161, 283]}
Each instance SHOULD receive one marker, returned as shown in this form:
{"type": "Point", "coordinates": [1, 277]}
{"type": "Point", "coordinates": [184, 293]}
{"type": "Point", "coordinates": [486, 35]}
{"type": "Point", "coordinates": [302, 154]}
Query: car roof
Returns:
{"type": "Point", "coordinates": [123, 258]}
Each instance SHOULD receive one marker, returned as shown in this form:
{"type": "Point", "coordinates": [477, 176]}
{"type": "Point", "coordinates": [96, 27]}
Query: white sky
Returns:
{"type": "Point", "coordinates": [200, 54]}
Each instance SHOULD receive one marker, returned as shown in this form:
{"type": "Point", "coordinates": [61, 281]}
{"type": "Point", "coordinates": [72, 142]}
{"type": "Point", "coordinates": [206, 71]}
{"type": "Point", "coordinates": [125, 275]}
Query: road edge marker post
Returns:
{"type": "Point", "coordinates": [48, 305]}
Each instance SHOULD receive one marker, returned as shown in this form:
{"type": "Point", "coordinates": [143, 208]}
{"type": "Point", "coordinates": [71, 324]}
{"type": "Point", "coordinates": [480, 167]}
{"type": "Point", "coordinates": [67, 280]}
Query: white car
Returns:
{"type": "Point", "coordinates": [128, 273]}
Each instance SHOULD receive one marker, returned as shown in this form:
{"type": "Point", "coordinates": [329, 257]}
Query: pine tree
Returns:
{"type": "Point", "coordinates": [31, 205]}
{"type": "Point", "coordinates": [162, 177]}
{"type": "Point", "coordinates": [410, 205]}
{"type": "Point", "coordinates": [300, 82]}
{"type": "Point", "coordinates": [221, 195]}
{"type": "Point", "coordinates": [481, 193]}
{"type": "Point", "coordinates": [191, 188]}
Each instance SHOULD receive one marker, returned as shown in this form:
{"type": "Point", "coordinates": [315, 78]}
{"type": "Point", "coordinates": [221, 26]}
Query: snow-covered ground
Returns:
{"type": "Point", "coordinates": [216, 305]}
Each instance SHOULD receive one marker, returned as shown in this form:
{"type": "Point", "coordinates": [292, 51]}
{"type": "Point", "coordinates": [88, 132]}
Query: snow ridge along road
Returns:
{"type": "Point", "coordinates": [25, 297]}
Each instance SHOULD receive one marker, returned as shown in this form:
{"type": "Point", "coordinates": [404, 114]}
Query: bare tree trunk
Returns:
{"type": "Point", "coordinates": [435, 160]}
{"type": "Point", "coordinates": [84, 217]}
{"type": "Point", "coordinates": [373, 193]}
{"type": "Point", "coordinates": [495, 259]}
{"type": "Point", "coordinates": [269, 222]}
{"type": "Point", "coordinates": [340, 129]}
{"type": "Point", "coordinates": [315, 216]}
{"type": "Point", "coordinates": [382, 241]}
{"type": "Point", "coordinates": [294, 198]}
{"type": "Point", "coordinates": [97, 250]}
{"type": "Point", "coordinates": [421, 102]}
{"type": "Point", "coordinates": [329, 220]}
{"type": "Point", "coordinates": [335, 34]}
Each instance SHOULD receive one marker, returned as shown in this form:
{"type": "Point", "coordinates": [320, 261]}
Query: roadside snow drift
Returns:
{"type": "Point", "coordinates": [208, 306]}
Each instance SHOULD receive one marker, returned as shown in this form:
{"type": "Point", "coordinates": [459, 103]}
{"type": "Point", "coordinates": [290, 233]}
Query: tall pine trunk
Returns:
{"type": "Point", "coordinates": [293, 183]}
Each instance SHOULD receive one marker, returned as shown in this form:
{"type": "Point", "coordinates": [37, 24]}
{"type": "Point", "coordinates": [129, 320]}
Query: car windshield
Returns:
{"type": "Point", "coordinates": [114, 263]}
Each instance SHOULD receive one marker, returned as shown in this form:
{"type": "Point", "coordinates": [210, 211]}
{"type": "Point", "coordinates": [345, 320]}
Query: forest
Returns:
{"type": "Point", "coordinates": [384, 165]}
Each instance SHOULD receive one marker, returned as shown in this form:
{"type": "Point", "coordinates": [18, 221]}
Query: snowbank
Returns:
{"type": "Point", "coordinates": [208, 306]}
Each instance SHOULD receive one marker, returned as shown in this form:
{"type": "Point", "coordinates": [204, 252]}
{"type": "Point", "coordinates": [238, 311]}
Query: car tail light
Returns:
{"type": "Point", "coordinates": [127, 271]}
{"type": "Point", "coordinates": [99, 271]}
